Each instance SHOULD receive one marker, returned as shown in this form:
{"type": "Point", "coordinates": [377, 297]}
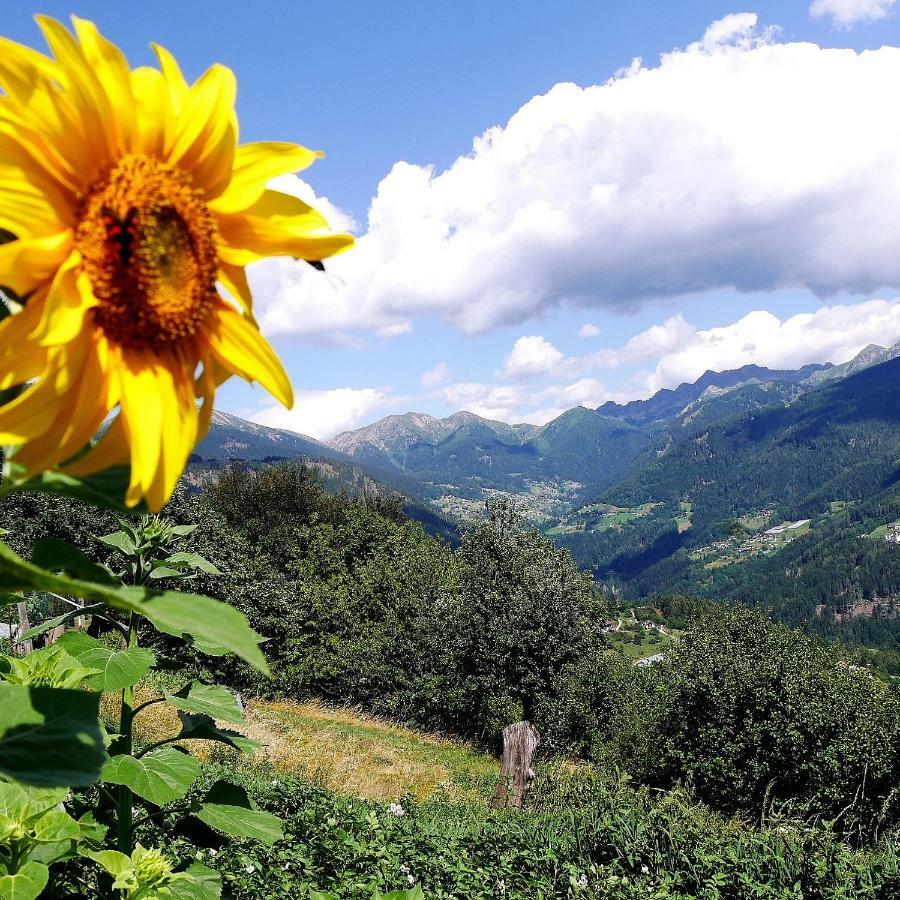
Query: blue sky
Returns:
{"type": "Point", "coordinates": [377, 84]}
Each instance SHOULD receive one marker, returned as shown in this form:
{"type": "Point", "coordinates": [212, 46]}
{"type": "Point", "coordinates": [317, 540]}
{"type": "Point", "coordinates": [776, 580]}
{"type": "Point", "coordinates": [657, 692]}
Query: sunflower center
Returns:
{"type": "Point", "coordinates": [148, 245]}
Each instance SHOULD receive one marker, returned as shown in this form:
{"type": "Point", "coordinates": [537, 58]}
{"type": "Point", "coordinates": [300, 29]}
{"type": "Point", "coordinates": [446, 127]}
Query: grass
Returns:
{"type": "Point", "coordinates": [341, 749]}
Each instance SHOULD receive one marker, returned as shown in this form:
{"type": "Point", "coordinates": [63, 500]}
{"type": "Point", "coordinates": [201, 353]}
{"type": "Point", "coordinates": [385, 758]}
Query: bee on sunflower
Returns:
{"type": "Point", "coordinates": [134, 212]}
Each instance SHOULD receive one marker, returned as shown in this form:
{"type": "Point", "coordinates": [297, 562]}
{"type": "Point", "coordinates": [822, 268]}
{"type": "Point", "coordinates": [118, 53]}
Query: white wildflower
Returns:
{"type": "Point", "coordinates": [395, 809]}
{"type": "Point", "coordinates": [410, 879]}
{"type": "Point", "coordinates": [250, 869]}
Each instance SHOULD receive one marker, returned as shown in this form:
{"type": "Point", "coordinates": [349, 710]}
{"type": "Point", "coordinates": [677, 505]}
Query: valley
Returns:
{"type": "Point", "coordinates": [711, 489]}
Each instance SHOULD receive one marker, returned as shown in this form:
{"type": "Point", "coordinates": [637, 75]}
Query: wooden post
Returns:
{"type": "Point", "coordinates": [23, 646]}
{"type": "Point", "coordinates": [520, 740]}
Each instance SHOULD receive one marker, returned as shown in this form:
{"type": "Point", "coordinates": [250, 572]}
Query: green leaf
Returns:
{"type": "Point", "coordinates": [64, 619]}
{"type": "Point", "coordinates": [228, 808]}
{"type": "Point", "coordinates": [10, 599]}
{"type": "Point", "coordinates": [183, 530]}
{"type": "Point", "coordinates": [26, 884]}
{"type": "Point", "coordinates": [117, 668]}
{"type": "Point", "coordinates": [112, 861]}
{"type": "Point", "coordinates": [160, 777]}
{"type": "Point", "coordinates": [106, 489]}
{"type": "Point", "coordinates": [192, 561]}
{"type": "Point", "coordinates": [202, 727]}
{"type": "Point", "coordinates": [48, 667]}
{"type": "Point", "coordinates": [197, 882]}
{"type": "Point", "coordinates": [211, 699]}
{"type": "Point", "coordinates": [121, 541]}
{"type": "Point", "coordinates": [21, 806]}
{"type": "Point", "coordinates": [54, 826]}
{"type": "Point", "coordinates": [210, 621]}
{"type": "Point", "coordinates": [50, 736]}
{"type": "Point", "coordinates": [165, 572]}
{"type": "Point", "coordinates": [58, 555]}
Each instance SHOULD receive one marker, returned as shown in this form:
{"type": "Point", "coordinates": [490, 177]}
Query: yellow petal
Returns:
{"type": "Point", "coordinates": [205, 133]}
{"type": "Point", "coordinates": [240, 348]}
{"type": "Point", "coordinates": [278, 225]}
{"type": "Point", "coordinates": [176, 86]}
{"type": "Point", "coordinates": [27, 264]}
{"type": "Point", "coordinates": [21, 359]}
{"type": "Point", "coordinates": [254, 166]}
{"type": "Point", "coordinates": [81, 414]}
{"type": "Point", "coordinates": [111, 450]}
{"type": "Point", "coordinates": [154, 117]}
{"type": "Point", "coordinates": [83, 88]}
{"type": "Point", "coordinates": [33, 411]}
{"type": "Point", "coordinates": [234, 280]}
{"type": "Point", "coordinates": [141, 405]}
{"type": "Point", "coordinates": [68, 301]}
{"type": "Point", "coordinates": [114, 76]}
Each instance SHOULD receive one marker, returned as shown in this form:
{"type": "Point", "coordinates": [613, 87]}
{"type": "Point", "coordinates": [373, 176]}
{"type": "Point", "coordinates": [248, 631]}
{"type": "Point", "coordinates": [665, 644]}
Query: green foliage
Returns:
{"type": "Point", "coordinates": [586, 836]}
{"type": "Point", "coordinates": [50, 732]}
{"type": "Point", "coordinates": [754, 714]}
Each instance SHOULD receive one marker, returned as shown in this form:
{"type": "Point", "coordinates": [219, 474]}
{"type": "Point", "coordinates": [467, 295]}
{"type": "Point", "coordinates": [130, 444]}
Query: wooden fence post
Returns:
{"type": "Point", "coordinates": [520, 740]}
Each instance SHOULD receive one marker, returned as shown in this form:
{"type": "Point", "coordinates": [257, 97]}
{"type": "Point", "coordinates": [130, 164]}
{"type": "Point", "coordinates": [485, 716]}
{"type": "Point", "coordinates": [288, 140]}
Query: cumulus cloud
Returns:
{"type": "Point", "coordinates": [323, 414]}
{"type": "Point", "coordinates": [515, 403]}
{"type": "Point", "coordinates": [738, 161]}
{"type": "Point", "coordinates": [530, 356]}
{"type": "Point", "coordinates": [588, 330]}
{"type": "Point", "coordinates": [831, 334]}
{"type": "Point", "coordinates": [436, 376]}
{"type": "Point", "coordinates": [846, 13]}
{"type": "Point", "coordinates": [676, 351]}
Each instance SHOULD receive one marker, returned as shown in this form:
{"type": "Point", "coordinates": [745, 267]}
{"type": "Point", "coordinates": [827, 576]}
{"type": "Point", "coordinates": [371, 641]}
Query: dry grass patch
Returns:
{"type": "Point", "coordinates": [346, 751]}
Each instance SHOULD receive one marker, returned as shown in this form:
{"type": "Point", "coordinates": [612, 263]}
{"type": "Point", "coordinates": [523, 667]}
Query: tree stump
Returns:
{"type": "Point", "coordinates": [520, 740]}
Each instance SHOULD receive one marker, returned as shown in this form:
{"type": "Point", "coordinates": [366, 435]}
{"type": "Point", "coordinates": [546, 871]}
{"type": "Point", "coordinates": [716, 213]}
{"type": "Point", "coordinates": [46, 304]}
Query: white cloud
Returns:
{"type": "Point", "coordinates": [435, 377]}
{"type": "Point", "coordinates": [831, 334]}
{"type": "Point", "coordinates": [386, 332]}
{"type": "Point", "coordinates": [588, 330]}
{"type": "Point", "coordinates": [737, 162]}
{"type": "Point", "coordinates": [737, 28]}
{"type": "Point", "coordinates": [530, 356]}
{"type": "Point", "coordinates": [846, 13]}
{"type": "Point", "coordinates": [323, 414]}
{"type": "Point", "coordinates": [517, 403]}
{"type": "Point", "coordinates": [676, 351]}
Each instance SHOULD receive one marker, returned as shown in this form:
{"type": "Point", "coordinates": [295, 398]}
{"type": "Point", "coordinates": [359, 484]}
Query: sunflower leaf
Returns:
{"type": "Point", "coordinates": [26, 884]}
{"type": "Point", "coordinates": [117, 668]}
{"type": "Point", "coordinates": [160, 777]}
{"type": "Point", "coordinates": [106, 489]}
{"type": "Point", "coordinates": [228, 808]}
{"type": "Point", "coordinates": [211, 622]}
{"type": "Point", "coordinates": [50, 736]}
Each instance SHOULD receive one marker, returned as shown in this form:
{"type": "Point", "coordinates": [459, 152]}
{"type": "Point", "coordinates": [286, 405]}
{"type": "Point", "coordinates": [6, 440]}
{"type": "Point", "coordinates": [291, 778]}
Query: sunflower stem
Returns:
{"type": "Point", "coordinates": [125, 728]}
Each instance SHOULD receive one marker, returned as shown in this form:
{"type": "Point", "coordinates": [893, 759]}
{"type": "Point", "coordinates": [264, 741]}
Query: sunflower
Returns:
{"type": "Point", "coordinates": [134, 212]}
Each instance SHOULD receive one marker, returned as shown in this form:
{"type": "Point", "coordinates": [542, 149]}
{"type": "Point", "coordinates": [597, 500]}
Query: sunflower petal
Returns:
{"type": "Point", "coordinates": [141, 404]}
{"type": "Point", "coordinates": [111, 450]}
{"type": "Point", "coordinates": [87, 404]}
{"type": "Point", "coordinates": [68, 301]}
{"type": "Point", "coordinates": [20, 359]}
{"type": "Point", "coordinates": [254, 166]}
{"type": "Point", "coordinates": [33, 411]}
{"type": "Point", "coordinates": [240, 348]}
{"type": "Point", "coordinates": [114, 76]}
{"type": "Point", "coordinates": [279, 225]}
{"type": "Point", "coordinates": [27, 264]}
{"type": "Point", "coordinates": [234, 280]}
{"type": "Point", "coordinates": [204, 135]}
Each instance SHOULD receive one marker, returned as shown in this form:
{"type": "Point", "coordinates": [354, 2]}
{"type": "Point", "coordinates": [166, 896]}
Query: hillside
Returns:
{"type": "Point", "coordinates": [759, 506]}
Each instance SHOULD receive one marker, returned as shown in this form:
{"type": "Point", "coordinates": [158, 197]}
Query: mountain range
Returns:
{"type": "Point", "coordinates": [678, 491]}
